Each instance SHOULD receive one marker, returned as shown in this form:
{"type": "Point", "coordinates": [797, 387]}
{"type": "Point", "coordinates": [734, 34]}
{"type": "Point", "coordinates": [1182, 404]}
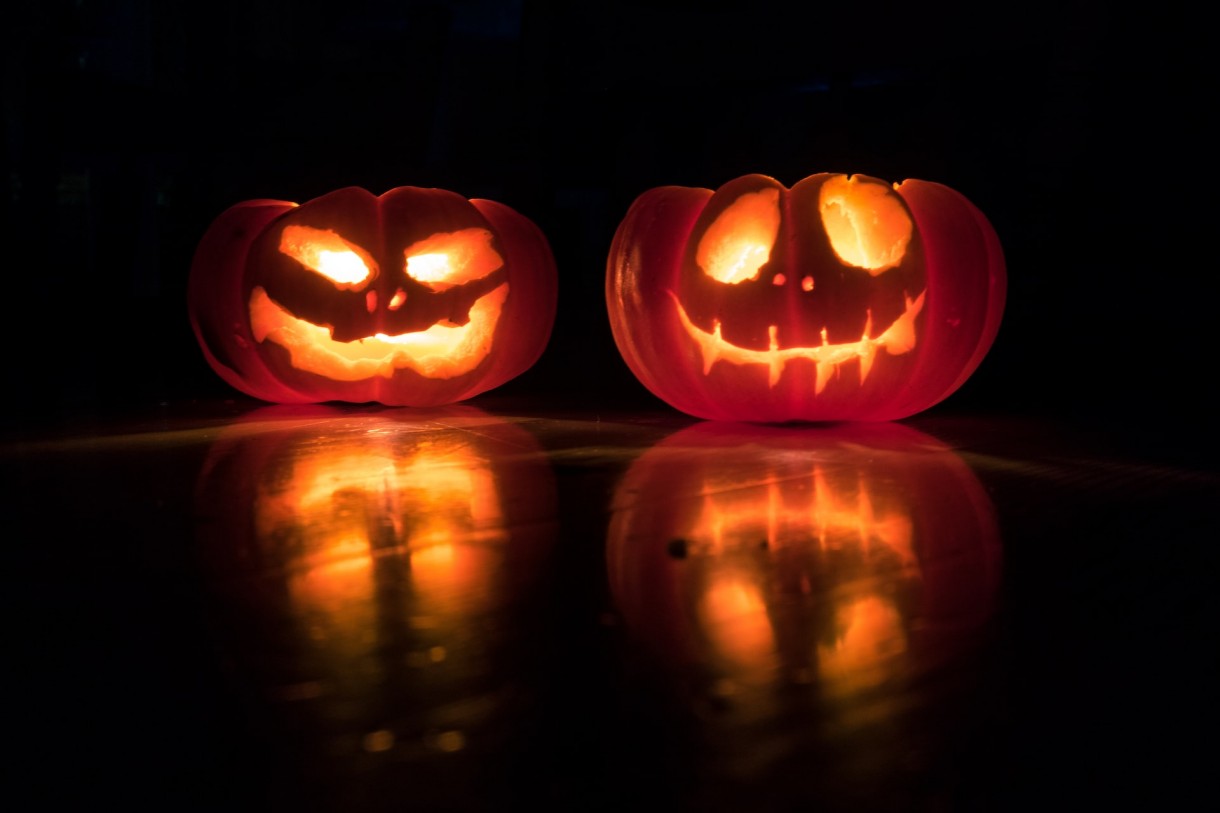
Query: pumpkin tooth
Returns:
{"type": "Point", "coordinates": [867, 356]}
{"type": "Point", "coordinates": [825, 370]}
{"type": "Point", "coordinates": [897, 339]}
{"type": "Point", "coordinates": [776, 361]}
{"type": "Point", "coordinates": [711, 350]}
{"type": "Point", "coordinates": [441, 351]}
{"type": "Point", "coordinates": [868, 350]}
{"type": "Point", "coordinates": [900, 337]}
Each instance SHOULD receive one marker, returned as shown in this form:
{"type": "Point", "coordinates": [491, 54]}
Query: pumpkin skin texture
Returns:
{"type": "Point", "coordinates": [418, 297]}
{"type": "Point", "coordinates": [841, 299]}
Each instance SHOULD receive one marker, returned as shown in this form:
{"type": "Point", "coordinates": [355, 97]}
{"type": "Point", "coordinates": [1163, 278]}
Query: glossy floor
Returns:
{"type": "Point", "coordinates": [227, 607]}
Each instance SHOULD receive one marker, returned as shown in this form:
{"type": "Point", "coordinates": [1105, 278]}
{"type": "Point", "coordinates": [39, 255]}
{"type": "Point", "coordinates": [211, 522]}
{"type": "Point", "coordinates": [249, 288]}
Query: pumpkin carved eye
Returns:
{"type": "Point", "coordinates": [326, 253]}
{"type": "Point", "coordinates": [738, 243]}
{"type": "Point", "coordinates": [867, 225]}
{"type": "Point", "coordinates": [444, 260]}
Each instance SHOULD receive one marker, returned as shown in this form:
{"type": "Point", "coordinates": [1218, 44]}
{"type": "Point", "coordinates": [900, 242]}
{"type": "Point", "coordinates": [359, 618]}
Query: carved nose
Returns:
{"type": "Point", "coordinates": [806, 281]}
{"type": "Point", "coordinates": [396, 301]}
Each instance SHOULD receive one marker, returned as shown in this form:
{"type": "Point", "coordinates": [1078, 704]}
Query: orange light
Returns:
{"type": "Point", "coordinates": [441, 351]}
{"type": "Point", "coordinates": [346, 505]}
{"type": "Point", "coordinates": [899, 338]}
{"type": "Point", "coordinates": [738, 244]}
{"type": "Point", "coordinates": [870, 637]}
{"type": "Point", "coordinates": [735, 616]}
{"type": "Point", "coordinates": [326, 253]}
{"type": "Point", "coordinates": [444, 260]}
{"type": "Point", "coordinates": [745, 532]}
{"type": "Point", "coordinates": [867, 224]}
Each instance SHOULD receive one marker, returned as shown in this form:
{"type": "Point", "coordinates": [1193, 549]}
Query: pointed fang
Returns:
{"type": "Point", "coordinates": [825, 371]}
{"type": "Point", "coordinates": [867, 357]}
{"type": "Point", "coordinates": [776, 366]}
{"type": "Point", "coordinates": [711, 350]}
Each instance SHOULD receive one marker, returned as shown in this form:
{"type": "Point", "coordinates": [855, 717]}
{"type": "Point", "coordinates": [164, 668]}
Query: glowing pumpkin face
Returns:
{"type": "Point", "coordinates": [418, 297]}
{"type": "Point", "coordinates": [836, 558]}
{"type": "Point", "coordinates": [840, 299]}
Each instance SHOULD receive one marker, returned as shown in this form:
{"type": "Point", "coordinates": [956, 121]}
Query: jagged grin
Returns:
{"type": "Point", "coordinates": [897, 339]}
{"type": "Point", "coordinates": [441, 351]}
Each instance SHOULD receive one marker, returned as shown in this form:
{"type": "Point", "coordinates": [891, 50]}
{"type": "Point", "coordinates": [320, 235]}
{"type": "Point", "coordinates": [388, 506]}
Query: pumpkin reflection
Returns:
{"type": "Point", "coordinates": [379, 568]}
{"type": "Point", "coordinates": [844, 559]}
{"type": "Point", "coordinates": [438, 506]}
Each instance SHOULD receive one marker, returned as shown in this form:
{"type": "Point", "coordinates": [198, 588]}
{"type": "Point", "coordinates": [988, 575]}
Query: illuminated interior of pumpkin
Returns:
{"type": "Point", "coordinates": [898, 338]}
{"type": "Point", "coordinates": [739, 242]}
{"type": "Point", "coordinates": [325, 252]}
{"type": "Point", "coordinates": [867, 224]}
{"type": "Point", "coordinates": [443, 350]}
{"type": "Point", "coordinates": [452, 258]}
{"type": "Point", "coordinates": [802, 511]}
{"type": "Point", "coordinates": [868, 229]}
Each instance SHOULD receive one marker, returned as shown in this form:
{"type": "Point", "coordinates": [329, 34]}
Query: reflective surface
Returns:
{"type": "Point", "coordinates": [231, 606]}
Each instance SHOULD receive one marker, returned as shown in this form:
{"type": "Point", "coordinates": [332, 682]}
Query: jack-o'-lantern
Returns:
{"type": "Point", "coordinates": [842, 298]}
{"type": "Point", "coordinates": [372, 575]}
{"type": "Point", "coordinates": [418, 297]}
{"type": "Point", "coordinates": [834, 561]}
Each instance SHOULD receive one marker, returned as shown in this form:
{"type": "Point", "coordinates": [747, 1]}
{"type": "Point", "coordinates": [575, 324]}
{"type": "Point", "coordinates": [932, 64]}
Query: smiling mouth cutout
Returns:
{"type": "Point", "coordinates": [897, 339]}
{"type": "Point", "coordinates": [442, 351]}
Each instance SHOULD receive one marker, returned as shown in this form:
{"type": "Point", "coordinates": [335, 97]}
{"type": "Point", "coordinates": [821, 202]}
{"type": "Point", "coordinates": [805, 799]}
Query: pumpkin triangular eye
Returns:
{"type": "Point", "coordinates": [868, 226]}
{"type": "Point", "coordinates": [326, 253]}
{"type": "Point", "coordinates": [739, 241]}
{"type": "Point", "coordinates": [452, 258]}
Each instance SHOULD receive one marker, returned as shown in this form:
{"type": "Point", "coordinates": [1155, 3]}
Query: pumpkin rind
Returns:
{"type": "Point", "coordinates": [845, 343]}
{"type": "Point", "coordinates": [279, 330]}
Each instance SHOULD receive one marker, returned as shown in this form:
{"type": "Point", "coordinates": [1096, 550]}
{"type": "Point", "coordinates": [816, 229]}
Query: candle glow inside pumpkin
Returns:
{"type": "Point", "coordinates": [442, 350]}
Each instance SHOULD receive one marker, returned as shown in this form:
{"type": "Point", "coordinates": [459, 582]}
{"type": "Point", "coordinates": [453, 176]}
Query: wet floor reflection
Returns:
{"type": "Point", "coordinates": [798, 584]}
{"type": "Point", "coordinates": [374, 577]}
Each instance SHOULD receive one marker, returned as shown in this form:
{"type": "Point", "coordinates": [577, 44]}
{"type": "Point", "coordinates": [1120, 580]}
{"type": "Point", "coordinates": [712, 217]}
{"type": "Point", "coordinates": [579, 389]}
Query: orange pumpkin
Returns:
{"type": "Point", "coordinates": [842, 298]}
{"type": "Point", "coordinates": [418, 297]}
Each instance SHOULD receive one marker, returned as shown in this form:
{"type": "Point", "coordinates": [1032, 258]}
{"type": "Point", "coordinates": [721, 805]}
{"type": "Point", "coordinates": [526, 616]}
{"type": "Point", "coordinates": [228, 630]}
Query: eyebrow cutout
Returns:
{"type": "Point", "coordinates": [451, 258]}
{"type": "Point", "coordinates": [324, 252]}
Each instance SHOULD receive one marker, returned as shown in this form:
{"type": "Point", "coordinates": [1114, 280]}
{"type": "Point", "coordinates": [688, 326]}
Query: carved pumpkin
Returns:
{"type": "Point", "coordinates": [374, 574]}
{"type": "Point", "coordinates": [418, 297]}
{"type": "Point", "coordinates": [842, 298]}
{"type": "Point", "coordinates": [838, 559]}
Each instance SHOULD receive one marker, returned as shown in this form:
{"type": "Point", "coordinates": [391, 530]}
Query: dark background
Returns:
{"type": "Point", "coordinates": [1075, 126]}
{"type": "Point", "coordinates": [1080, 128]}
